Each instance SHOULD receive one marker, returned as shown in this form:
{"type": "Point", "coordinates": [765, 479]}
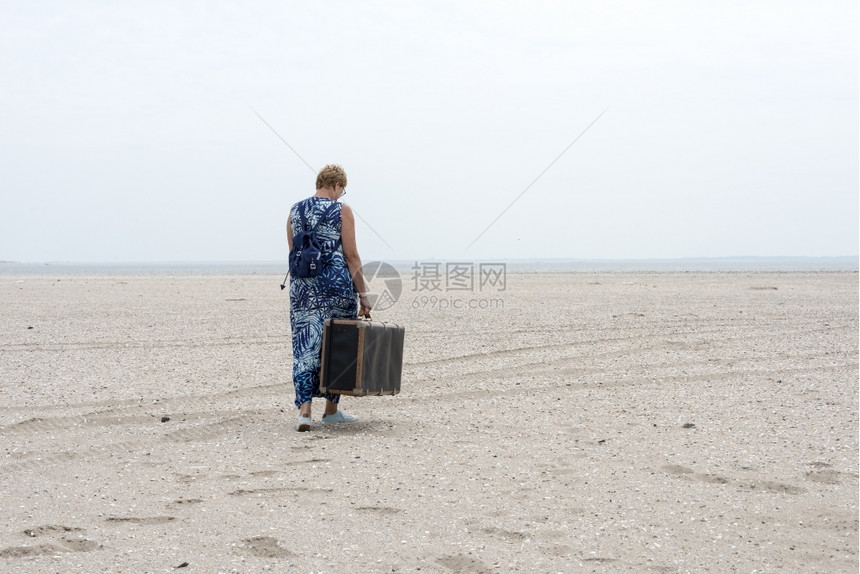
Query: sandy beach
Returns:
{"type": "Point", "coordinates": [640, 422]}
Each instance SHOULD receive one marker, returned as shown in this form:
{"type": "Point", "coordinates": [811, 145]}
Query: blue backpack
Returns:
{"type": "Point", "coordinates": [306, 255]}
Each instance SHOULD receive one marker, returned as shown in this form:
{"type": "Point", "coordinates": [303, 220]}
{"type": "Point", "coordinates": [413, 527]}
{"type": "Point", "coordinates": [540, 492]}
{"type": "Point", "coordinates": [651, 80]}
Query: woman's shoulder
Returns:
{"type": "Point", "coordinates": [304, 202]}
{"type": "Point", "coordinates": [319, 206]}
{"type": "Point", "coordinates": [307, 205]}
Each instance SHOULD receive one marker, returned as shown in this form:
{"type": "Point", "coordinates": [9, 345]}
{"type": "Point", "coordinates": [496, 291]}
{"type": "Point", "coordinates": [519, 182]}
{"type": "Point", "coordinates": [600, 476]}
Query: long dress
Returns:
{"type": "Point", "coordinates": [315, 299]}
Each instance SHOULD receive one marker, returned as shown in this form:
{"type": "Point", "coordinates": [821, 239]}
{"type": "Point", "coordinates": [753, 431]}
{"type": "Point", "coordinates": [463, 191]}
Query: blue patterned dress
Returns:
{"type": "Point", "coordinates": [315, 299]}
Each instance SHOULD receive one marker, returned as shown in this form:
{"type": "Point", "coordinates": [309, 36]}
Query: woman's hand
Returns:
{"type": "Point", "coordinates": [364, 306]}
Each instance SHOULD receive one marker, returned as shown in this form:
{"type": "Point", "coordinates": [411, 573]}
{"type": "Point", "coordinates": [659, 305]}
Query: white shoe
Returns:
{"type": "Point", "coordinates": [304, 424]}
{"type": "Point", "coordinates": [339, 417]}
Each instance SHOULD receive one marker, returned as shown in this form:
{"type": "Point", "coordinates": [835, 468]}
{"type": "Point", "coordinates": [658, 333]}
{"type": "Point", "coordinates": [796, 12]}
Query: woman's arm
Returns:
{"type": "Point", "coordinates": [350, 253]}
{"type": "Point", "coordinates": [289, 233]}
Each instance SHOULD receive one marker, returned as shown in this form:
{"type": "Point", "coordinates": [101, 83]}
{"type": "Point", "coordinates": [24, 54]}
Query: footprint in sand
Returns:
{"type": "Point", "coordinates": [463, 564]}
{"type": "Point", "coordinates": [760, 485]}
{"type": "Point", "coordinates": [63, 542]}
{"type": "Point", "coordinates": [264, 547]}
{"type": "Point", "coordinates": [136, 520]}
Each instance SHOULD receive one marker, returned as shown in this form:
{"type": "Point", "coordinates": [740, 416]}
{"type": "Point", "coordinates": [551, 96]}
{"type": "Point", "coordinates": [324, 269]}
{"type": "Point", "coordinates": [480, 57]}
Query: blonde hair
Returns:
{"type": "Point", "coordinates": [331, 175]}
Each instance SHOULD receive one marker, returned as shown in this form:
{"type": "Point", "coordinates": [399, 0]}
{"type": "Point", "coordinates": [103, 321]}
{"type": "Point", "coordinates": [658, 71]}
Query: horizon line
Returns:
{"type": "Point", "coordinates": [412, 259]}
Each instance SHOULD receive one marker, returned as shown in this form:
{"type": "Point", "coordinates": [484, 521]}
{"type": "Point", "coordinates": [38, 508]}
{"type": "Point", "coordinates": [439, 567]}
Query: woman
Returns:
{"type": "Point", "coordinates": [337, 292]}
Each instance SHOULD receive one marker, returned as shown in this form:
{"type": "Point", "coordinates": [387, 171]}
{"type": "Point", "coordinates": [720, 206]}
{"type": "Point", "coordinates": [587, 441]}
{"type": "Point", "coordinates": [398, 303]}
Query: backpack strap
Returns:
{"type": "Point", "coordinates": [325, 213]}
{"type": "Point", "coordinates": [302, 217]}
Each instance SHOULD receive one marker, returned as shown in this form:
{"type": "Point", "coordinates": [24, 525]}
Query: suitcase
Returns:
{"type": "Point", "coordinates": [361, 357]}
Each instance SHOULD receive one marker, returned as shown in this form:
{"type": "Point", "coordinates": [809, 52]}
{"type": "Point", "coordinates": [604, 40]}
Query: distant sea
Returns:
{"type": "Point", "coordinates": [698, 265]}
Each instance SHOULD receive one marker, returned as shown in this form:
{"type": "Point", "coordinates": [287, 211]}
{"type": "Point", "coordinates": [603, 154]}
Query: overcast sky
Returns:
{"type": "Point", "coordinates": [128, 130]}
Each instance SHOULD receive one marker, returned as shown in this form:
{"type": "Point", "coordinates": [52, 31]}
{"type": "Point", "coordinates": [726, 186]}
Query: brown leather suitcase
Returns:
{"type": "Point", "coordinates": [361, 357]}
